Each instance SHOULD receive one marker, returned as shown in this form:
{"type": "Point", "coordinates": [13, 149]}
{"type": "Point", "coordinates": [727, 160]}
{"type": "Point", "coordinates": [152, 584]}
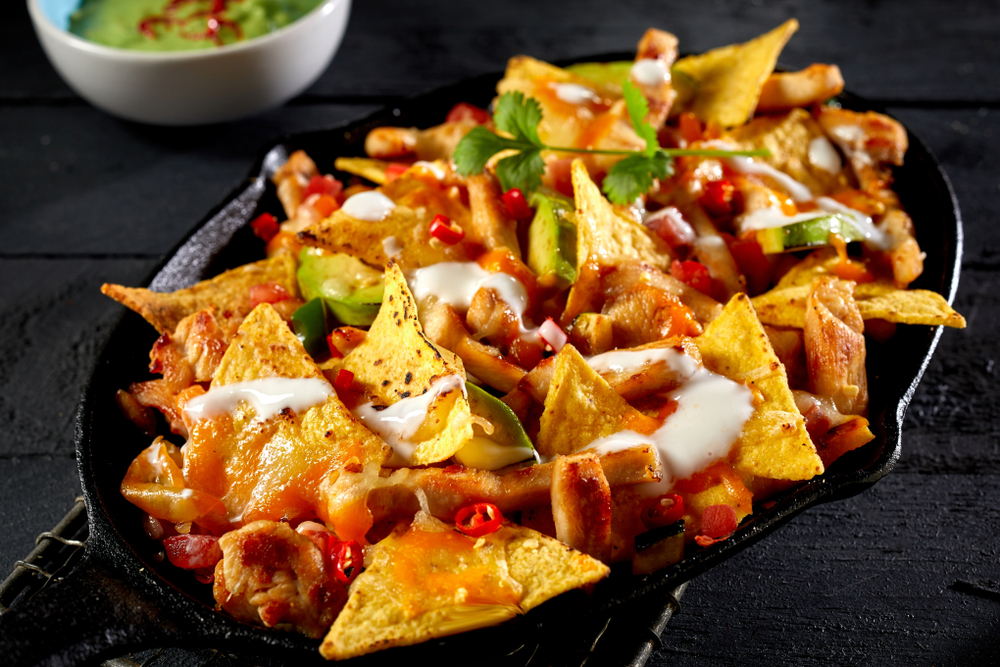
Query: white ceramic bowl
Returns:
{"type": "Point", "coordinates": [192, 87]}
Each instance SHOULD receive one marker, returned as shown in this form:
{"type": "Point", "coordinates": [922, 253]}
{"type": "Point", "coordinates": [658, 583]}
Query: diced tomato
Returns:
{"type": "Point", "coordinates": [323, 185]}
{"type": "Point", "coordinates": [752, 261]}
{"type": "Point", "coordinates": [265, 226]}
{"type": "Point", "coordinates": [267, 293]}
{"type": "Point", "coordinates": [325, 205]}
{"type": "Point", "coordinates": [694, 274]}
{"type": "Point", "coordinates": [463, 111]}
{"type": "Point", "coordinates": [718, 521]}
{"type": "Point", "coordinates": [395, 170]}
{"type": "Point", "coordinates": [663, 510]}
{"type": "Point", "coordinates": [516, 204]}
{"type": "Point", "coordinates": [690, 127]}
{"type": "Point", "coordinates": [445, 231]}
{"type": "Point", "coordinates": [192, 552]}
{"type": "Point", "coordinates": [669, 224]}
{"type": "Point", "coordinates": [718, 198]}
{"type": "Point", "coordinates": [331, 342]}
{"type": "Point", "coordinates": [344, 380]}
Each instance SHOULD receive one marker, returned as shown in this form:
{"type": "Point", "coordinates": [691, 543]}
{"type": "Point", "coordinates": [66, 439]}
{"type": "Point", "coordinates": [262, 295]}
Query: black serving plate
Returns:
{"type": "Point", "coordinates": [120, 597]}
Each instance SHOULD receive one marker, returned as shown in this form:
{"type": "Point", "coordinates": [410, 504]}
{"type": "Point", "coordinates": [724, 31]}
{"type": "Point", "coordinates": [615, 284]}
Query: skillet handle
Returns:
{"type": "Point", "coordinates": [89, 614]}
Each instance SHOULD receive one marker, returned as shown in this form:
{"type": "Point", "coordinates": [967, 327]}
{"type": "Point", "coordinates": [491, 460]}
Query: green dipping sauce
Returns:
{"type": "Point", "coordinates": [182, 25]}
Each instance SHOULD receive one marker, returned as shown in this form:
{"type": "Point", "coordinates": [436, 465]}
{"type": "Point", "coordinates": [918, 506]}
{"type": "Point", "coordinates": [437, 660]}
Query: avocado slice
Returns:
{"type": "Point", "coordinates": [351, 289]}
{"type": "Point", "coordinates": [507, 444]}
{"type": "Point", "coordinates": [552, 239]}
{"type": "Point", "coordinates": [807, 233]}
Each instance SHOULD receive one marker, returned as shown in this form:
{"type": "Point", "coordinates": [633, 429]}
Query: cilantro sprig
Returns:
{"type": "Point", "coordinates": [519, 116]}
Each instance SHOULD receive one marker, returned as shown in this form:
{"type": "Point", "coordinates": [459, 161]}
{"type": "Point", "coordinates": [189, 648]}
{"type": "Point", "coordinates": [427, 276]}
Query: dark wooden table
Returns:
{"type": "Point", "coordinates": [906, 573]}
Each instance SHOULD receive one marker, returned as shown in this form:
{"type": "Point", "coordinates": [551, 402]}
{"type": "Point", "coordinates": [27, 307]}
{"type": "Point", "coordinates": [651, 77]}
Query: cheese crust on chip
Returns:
{"type": "Point", "coordinates": [428, 580]}
{"type": "Point", "coordinates": [397, 361]}
{"type": "Point", "coordinates": [774, 442]}
{"type": "Point", "coordinates": [228, 292]}
{"type": "Point", "coordinates": [272, 469]}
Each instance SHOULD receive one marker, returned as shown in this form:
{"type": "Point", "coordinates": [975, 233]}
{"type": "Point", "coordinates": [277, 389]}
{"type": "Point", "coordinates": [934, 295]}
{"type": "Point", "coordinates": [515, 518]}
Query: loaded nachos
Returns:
{"type": "Point", "coordinates": [597, 326]}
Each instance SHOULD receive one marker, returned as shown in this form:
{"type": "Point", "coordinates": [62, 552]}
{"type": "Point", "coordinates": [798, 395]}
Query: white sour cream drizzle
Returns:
{"type": "Point", "coordinates": [824, 155]}
{"type": "Point", "coordinates": [767, 217]}
{"type": "Point", "coordinates": [455, 283]}
{"type": "Point", "coordinates": [574, 93]}
{"type": "Point", "coordinates": [397, 423]}
{"type": "Point", "coordinates": [267, 397]}
{"type": "Point", "coordinates": [391, 247]}
{"type": "Point", "coordinates": [649, 72]}
{"type": "Point", "coordinates": [711, 412]}
{"type": "Point", "coordinates": [370, 206]}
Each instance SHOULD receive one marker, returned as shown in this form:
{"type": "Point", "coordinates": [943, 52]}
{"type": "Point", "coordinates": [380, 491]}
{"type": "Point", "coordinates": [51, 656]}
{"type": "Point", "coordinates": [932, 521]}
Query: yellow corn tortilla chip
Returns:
{"type": "Point", "coordinates": [373, 170]}
{"type": "Point", "coordinates": [774, 442]}
{"type": "Point", "coordinates": [228, 291]}
{"type": "Point", "coordinates": [404, 234]}
{"type": "Point", "coordinates": [788, 138]}
{"type": "Point", "coordinates": [730, 78]}
{"type": "Point", "coordinates": [428, 580]}
{"type": "Point", "coordinates": [273, 469]}
{"type": "Point", "coordinates": [396, 361]}
{"type": "Point", "coordinates": [604, 238]}
{"type": "Point", "coordinates": [786, 307]}
{"type": "Point", "coordinates": [581, 407]}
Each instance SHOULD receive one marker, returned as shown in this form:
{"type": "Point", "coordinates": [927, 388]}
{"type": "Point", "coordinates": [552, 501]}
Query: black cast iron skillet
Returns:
{"type": "Point", "coordinates": [120, 597]}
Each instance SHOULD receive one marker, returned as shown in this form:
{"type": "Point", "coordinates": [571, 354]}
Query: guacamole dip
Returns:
{"type": "Point", "coordinates": [180, 25]}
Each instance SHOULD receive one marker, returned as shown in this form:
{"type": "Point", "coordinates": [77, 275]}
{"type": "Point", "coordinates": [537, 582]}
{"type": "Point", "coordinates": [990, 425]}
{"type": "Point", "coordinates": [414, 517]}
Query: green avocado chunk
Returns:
{"type": "Point", "coordinates": [552, 239]}
{"type": "Point", "coordinates": [807, 234]}
{"type": "Point", "coordinates": [507, 444]}
{"type": "Point", "coordinates": [351, 289]}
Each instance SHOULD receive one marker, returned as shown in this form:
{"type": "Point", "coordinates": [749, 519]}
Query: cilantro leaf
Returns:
{"type": "Point", "coordinates": [523, 170]}
{"type": "Point", "coordinates": [634, 175]}
{"type": "Point", "coordinates": [477, 147]}
{"type": "Point", "coordinates": [638, 109]}
{"type": "Point", "coordinates": [519, 116]}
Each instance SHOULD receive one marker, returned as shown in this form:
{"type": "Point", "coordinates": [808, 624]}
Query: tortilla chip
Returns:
{"type": "Point", "coordinates": [418, 196]}
{"type": "Point", "coordinates": [730, 78]}
{"type": "Point", "coordinates": [774, 442]}
{"type": "Point", "coordinates": [229, 291]}
{"type": "Point", "coordinates": [396, 360]}
{"type": "Point", "coordinates": [786, 307]}
{"type": "Point", "coordinates": [604, 239]}
{"type": "Point", "coordinates": [788, 137]}
{"type": "Point", "coordinates": [373, 170]}
{"type": "Point", "coordinates": [273, 469]}
{"type": "Point", "coordinates": [428, 580]}
{"type": "Point", "coordinates": [581, 407]}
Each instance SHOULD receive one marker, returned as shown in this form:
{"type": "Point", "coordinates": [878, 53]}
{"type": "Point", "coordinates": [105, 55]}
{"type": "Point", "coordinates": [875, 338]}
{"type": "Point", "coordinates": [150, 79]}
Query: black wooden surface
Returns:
{"type": "Point", "coordinates": [906, 573]}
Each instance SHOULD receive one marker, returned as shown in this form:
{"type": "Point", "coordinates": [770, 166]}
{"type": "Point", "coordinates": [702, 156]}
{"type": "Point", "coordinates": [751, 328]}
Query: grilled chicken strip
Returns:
{"type": "Point", "coordinates": [272, 575]}
{"type": "Point", "coordinates": [581, 504]}
{"type": "Point", "coordinates": [835, 346]}
{"type": "Point", "coordinates": [434, 143]}
{"type": "Point", "coordinates": [291, 180]}
{"type": "Point", "coordinates": [656, 52]}
{"type": "Point", "coordinates": [356, 500]}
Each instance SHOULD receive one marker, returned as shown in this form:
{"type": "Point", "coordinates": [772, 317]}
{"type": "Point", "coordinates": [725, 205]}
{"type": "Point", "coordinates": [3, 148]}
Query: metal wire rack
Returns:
{"type": "Point", "coordinates": [613, 641]}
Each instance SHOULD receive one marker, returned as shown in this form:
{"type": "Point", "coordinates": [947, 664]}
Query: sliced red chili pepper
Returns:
{"type": "Point", "coordinates": [694, 274]}
{"type": "Point", "coordinates": [443, 230]}
{"type": "Point", "coordinates": [345, 559]}
{"type": "Point", "coordinates": [516, 204]}
{"type": "Point", "coordinates": [193, 552]}
{"type": "Point", "coordinates": [344, 380]}
{"type": "Point", "coordinates": [718, 521]}
{"type": "Point", "coordinates": [463, 111]}
{"type": "Point", "coordinates": [332, 344]}
{"type": "Point", "coordinates": [323, 185]}
{"type": "Point", "coordinates": [663, 510]}
{"type": "Point", "coordinates": [265, 226]}
{"type": "Point", "coordinates": [718, 198]}
{"type": "Point", "coordinates": [395, 170]}
{"type": "Point", "coordinates": [478, 519]}
{"type": "Point", "coordinates": [267, 293]}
